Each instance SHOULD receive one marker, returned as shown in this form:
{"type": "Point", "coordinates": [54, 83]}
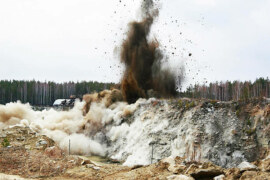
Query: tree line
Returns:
{"type": "Point", "coordinates": [45, 93]}
{"type": "Point", "coordinates": [227, 91]}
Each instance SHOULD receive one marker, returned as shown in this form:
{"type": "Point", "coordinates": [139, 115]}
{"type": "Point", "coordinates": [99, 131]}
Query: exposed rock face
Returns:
{"type": "Point", "coordinates": [226, 133]}
{"type": "Point", "coordinates": [220, 132]}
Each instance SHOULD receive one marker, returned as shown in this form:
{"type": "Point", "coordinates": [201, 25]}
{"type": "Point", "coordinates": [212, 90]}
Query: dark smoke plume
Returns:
{"type": "Point", "coordinates": [143, 60]}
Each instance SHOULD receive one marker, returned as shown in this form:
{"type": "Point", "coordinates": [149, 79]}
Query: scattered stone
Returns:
{"type": "Point", "coordinates": [96, 164]}
{"type": "Point", "coordinates": [255, 175]}
{"type": "Point", "coordinates": [86, 161]}
{"type": "Point", "coordinates": [176, 169]}
{"type": "Point", "coordinates": [191, 168]}
{"type": "Point", "coordinates": [27, 147]}
{"type": "Point", "coordinates": [20, 138]}
{"type": "Point", "coordinates": [169, 161]}
{"type": "Point", "coordinates": [171, 165]}
{"type": "Point", "coordinates": [96, 168]}
{"type": "Point", "coordinates": [71, 161]}
{"type": "Point", "coordinates": [233, 173]}
{"type": "Point", "coordinates": [114, 160]}
{"type": "Point", "coordinates": [54, 152]}
{"type": "Point", "coordinates": [246, 166]}
{"type": "Point", "coordinates": [264, 165]}
{"type": "Point", "coordinates": [220, 177]}
{"type": "Point", "coordinates": [41, 143]}
{"type": "Point", "coordinates": [92, 166]}
{"type": "Point", "coordinates": [89, 165]}
{"type": "Point", "coordinates": [179, 177]}
{"type": "Point", "coordinates": [32, 133]}
{"type": "Point", "coordinates": [10, 177]}
{"type": "Point", "coordinates": [248, 175]}
{"type": "Point", "coordinates": [3, 135]}
{"type": "Point", "coordinates": [136, 167]}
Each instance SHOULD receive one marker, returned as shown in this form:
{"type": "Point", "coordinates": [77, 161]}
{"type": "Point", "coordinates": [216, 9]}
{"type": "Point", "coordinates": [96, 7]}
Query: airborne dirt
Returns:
{"type": "Point", "coordinates": [143, 60]}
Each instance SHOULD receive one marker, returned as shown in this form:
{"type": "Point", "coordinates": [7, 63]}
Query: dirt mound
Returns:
{"type": "Point", "coordinates": [25, 153]}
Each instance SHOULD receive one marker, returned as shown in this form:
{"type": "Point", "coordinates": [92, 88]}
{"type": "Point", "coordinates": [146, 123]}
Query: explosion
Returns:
{"type": "Point", "coordinates": [99, 124]}
{"type": "Point", "coordinates": [143, 60]}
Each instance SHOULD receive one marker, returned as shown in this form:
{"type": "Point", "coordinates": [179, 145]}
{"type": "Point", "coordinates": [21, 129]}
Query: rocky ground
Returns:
{"type": "Point", "coordinates": [229, 128]}
{"type": "Point", "coordinates": [37, 157]}
{"type": "Point", "coordinates": [30, 155]}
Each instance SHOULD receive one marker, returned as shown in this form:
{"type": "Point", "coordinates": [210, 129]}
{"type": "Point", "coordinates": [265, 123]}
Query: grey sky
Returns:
{"type": "Point", "coordinates": [64, 40]}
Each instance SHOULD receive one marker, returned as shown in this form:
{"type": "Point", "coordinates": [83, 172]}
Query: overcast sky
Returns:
{"type": "Point", "coordinates": [63, 40]}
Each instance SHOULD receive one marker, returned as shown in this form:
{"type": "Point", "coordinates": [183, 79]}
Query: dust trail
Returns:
{"type": "Point", "coordinates": [143, 60]}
